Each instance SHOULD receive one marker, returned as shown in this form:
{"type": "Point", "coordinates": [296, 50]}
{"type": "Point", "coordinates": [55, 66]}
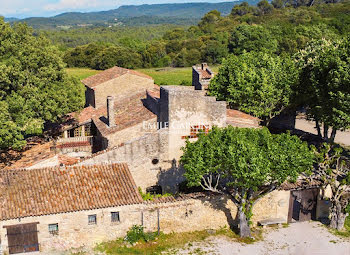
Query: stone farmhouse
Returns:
{"type": "Point", "coordinates": [82, 188]}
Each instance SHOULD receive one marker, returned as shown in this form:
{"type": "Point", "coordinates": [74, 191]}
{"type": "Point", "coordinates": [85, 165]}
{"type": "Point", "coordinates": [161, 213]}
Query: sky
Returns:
{"type": "Point", "coordinates": [46, 8]}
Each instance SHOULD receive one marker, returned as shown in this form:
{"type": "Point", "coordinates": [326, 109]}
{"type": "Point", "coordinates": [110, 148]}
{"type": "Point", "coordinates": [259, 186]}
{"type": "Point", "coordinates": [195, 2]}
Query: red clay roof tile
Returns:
{"type": "Point", "coordinates": [110, 74]}
{"type": "Point", "coordinates": [36, 192]}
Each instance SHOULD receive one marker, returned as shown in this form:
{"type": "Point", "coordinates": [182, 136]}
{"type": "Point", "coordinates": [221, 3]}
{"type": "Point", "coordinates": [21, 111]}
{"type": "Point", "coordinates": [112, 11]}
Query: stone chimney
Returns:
{"type": "Point", "coordinates": [204, 66]}
{"type": "Point", "coordinates": [110, 111]}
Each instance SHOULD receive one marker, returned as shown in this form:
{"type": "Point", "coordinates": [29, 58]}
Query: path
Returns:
{"type": "Point", "coordinates": [303, 238]}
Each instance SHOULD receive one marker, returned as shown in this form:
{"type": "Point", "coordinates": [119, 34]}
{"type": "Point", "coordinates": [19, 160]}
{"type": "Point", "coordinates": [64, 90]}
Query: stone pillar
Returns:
{"type": "Point", "coordinates": [110, 111]}
{"type": "Point", "coordinates": [65, 134]}
{"type": "Point", "coordinates": [83, 130]}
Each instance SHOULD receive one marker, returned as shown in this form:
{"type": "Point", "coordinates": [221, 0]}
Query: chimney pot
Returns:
{"type": "Point", "coordinates": [110, 111]}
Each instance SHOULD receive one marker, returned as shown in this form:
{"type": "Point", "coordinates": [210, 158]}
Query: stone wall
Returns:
{"type": "Point", "coordinates": [147, 159]}
{"type": "Point", "coordinates": [124, 85]}
{"type": "Point", "coordinates": [183, 107]}
{"type": "Point", "coordinates": [186, 215]}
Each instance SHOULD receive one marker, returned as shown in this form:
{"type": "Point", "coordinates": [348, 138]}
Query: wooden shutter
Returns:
{"type": "Point", "coordinates": [22, 238]}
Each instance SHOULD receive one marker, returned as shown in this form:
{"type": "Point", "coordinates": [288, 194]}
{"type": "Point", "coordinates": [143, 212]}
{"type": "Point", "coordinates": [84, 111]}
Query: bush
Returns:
{"type": "Point", "coordinates": [136, 233]}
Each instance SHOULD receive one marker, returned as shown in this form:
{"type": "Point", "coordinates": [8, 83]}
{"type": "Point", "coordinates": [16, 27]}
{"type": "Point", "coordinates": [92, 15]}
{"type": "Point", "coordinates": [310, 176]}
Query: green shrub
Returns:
{"type": "Point", "coordinates": [149, 196]}
{"type": "Point", "coordinates": [136, 233]}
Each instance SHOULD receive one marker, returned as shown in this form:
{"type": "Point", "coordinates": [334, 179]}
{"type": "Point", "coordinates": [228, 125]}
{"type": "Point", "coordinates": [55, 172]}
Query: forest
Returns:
{"type": "Point", "coordinates": [277, 27]}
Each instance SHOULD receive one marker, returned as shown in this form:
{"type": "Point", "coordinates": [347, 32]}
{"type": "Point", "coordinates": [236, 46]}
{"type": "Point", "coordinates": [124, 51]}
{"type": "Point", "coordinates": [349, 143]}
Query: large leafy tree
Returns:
{"type": "Point", "coordinates": [255, 83]}
{"type": "Point", "coordinates": [34, 87]}
{"type": "Point", "coordinates": [325, 84]}
{"type": "Point", "coordinates": [334, 171]}
{"type": "Point", "coordinates": [244, 164]}
{"type": "Point", "coordinates": [252, 38]}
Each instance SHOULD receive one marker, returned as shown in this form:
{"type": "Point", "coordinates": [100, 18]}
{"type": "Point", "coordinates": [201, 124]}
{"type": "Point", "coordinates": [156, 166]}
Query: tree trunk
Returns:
{"type": "Point", "coordinates": [244, 229]}
{"type": "Point", "coordinates": [334, 132]}
{"type": "Point", "coordinates": [318, 129]}
{"type": "Point", "coordinates": [337, 216]}
{"type": "Point", "coordinates": [325, 132]}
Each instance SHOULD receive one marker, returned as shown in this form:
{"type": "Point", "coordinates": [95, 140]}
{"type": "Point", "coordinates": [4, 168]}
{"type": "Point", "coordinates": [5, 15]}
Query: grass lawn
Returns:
{"type": "Point", "coordinates": [81, 73]}
{"type": "Point", "coordinates": [346, 232]}
{"type": "Point", "coordinates": [172, 76]}
{"type": "Point", "coordinates": [169, 243]}
{"type": "Point", "coordinates": [161, 76]}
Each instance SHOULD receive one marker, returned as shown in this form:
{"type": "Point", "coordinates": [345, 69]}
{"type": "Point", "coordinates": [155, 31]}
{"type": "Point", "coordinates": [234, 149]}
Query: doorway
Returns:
{"type": "Point", "coordinates": [22, 238]}
{"type": "Point", "coordinates": [302, 205]}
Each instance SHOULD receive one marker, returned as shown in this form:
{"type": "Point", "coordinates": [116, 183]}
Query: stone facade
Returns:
{"type": "Point", "coordinates": [207, 212]}
{"type": "Point", "coordinates": [201, 76]}
{"type": "Point", "coordinates": [126, 84]}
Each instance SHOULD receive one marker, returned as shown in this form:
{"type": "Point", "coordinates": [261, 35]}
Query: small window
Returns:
{"type": "Point", "coordinates": [92, 219]}
{"type": "Point", "coordinates": [115, 217]}
{"type": "Point", "coordinates": [53, 229]}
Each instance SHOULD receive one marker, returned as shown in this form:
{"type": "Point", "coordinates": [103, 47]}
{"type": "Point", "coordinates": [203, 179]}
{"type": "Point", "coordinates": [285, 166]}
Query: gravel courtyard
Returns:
{"type": "Point", "coordinates": [304, 238]}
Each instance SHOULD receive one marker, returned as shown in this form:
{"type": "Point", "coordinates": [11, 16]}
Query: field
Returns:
{"type": "Point", "coordinates": [81, 73]}
{"type": "Point", "coordinates": [161, 76]}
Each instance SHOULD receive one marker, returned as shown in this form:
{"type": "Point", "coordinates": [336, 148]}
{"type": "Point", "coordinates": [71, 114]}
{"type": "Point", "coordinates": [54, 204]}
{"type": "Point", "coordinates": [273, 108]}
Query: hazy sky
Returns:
{"type": "Point", "coordinates": [27, 8]}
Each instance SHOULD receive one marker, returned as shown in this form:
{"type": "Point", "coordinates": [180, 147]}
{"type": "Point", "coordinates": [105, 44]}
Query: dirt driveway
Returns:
{"type": "Point", "coordinates": [304, 238]}
{"type": "Point", "coordinates": [309, 126]}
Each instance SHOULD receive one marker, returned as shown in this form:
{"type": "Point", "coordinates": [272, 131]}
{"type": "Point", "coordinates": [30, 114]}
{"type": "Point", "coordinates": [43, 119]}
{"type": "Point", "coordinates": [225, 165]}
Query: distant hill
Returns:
{"type": "Point", "coordinates": [10, 19]}
{"type": "Point", "coordinates": [181, 14]}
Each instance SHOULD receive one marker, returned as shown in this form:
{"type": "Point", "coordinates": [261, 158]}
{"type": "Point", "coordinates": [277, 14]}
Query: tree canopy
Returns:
{"type": "Point", "coordinates": [255, 83]}
{"type": "Point", "coordinates": [245, 164]}
{"type": "Point", "coordinates": [34, 87]}
{"type": "Point", "coordinates": [325, 84]}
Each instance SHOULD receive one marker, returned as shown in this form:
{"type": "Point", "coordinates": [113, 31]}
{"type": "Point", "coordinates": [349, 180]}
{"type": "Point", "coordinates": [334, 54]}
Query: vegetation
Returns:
{"type": "Point", "coordinates": [172, 76]}
{"type": "Point", "coordinates": [325, 84]}
{"type": "Point", "coordinates": [244, 164]}
{"type": "Point", "coordinates": [34, 87]}
{"type": "Point", "coordinates": [148, 196]}
{"type": "Point", "coordinates": [137, 233]}
{"type": "Point", "coordinates": [168, 242]}
{"type": "Point", "coordinates": [279, 29]}
{"type": "Point", "coordinates": [334, 170]}
{"type": "Point", "coordinates": [185, 14]}
{"type": "Point", "coordinates": [256, 83]}
{"type": "Point", "coordinates": [81, 73]}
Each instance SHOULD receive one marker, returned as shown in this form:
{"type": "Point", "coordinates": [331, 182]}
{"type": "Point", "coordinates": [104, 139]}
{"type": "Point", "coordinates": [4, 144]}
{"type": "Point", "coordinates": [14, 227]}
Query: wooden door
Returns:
{"type": "Point", "coordinates": [303, 204]}
{"type": "Point", "coordinates": [22, 238]}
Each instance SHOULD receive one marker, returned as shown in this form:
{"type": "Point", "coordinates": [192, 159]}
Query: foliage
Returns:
{"type": "Point", "coordinates": [244, 164]}
{"type": "Point", "coordinates": [168, 243]}
{"type": "Point", "coordinates": [262, 28]}
{"type": "Point", "coordinates": [333, 170]}
{"type": "Point", "coordinates": [252, 38]}
{"type": "Point", "coordinates": [282, 31]}
{"type": "Point", "coordinates": [136, 233]}
{"type": "Point", "coordinates": [255, 83]}
{"type": "Point", "coordinates": [148, 196]}
{"type": "Point", "coordinates": [34, 87]}
{"type": "Point", "coordinates": [325, 84]}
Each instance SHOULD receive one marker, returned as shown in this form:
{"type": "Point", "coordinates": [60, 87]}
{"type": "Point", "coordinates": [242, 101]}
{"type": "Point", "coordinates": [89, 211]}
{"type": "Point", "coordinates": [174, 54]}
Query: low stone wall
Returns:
{"type": "Point", "coordinates": [204, 212]}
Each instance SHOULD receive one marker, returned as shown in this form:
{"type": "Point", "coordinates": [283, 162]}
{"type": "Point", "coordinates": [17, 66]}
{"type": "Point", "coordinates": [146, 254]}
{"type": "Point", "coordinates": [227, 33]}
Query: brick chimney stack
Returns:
{"type": "Point", "coordinates": [204, 66]}
{"type": "Point", "coordinates": [110, 111]}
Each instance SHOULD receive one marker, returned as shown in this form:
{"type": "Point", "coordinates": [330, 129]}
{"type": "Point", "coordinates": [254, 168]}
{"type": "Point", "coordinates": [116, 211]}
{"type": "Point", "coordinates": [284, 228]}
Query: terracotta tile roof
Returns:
{"type": "Point", "coordinates": [74, 144]}
{"type": "Point", "coordinates": [31, 156]}
{"type": "Point", "coordinates": [67, 161]}
{"type": "Point", "coordinates": [110, 74]}
{"type": "Point", "coordinates": [46, 191]}
{"type": "Point", "coordinates": [241, 119]}
{"type": "Point", "coordinates": [206, 74]}
{"type": "Point", "coordinates": [129, 111]}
